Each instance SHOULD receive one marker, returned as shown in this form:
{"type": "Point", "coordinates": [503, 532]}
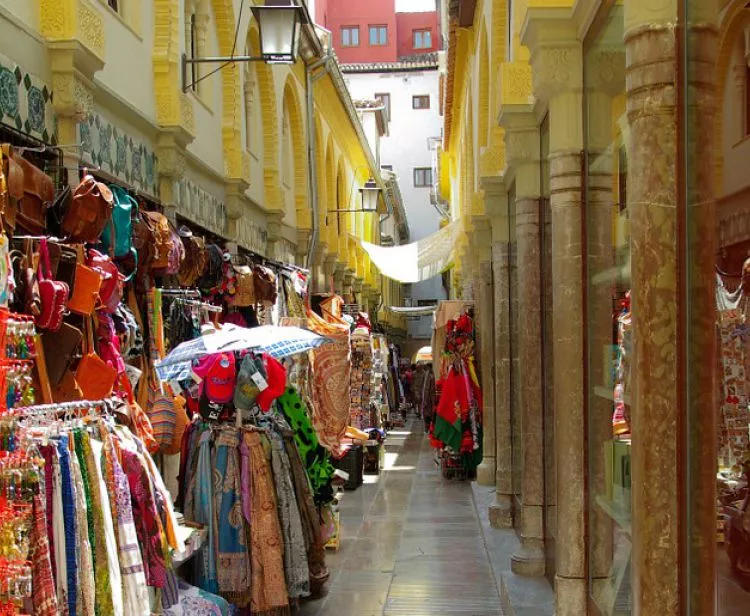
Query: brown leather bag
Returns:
{"type": "Point", "coordinates": [162, 242]}
{"type": "Point", "coordinates": [90, 211]}
{"type": "Point", "coordinates": [14, 180]}
{"type": "Point", "coordinates": [195, 259]}
{"type": "Point", "coordinates": [38, 195]}
{"type": "Point", "coordinates": [265, 284]}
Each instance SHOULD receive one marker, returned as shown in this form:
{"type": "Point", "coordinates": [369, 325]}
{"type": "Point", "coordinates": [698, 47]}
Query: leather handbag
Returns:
{"type": "Point", "coordinates": [245, 287]}
{"type": "Point", "coordinates": [60, 349]}
{"type": "Point", "coordinates": [161, 412]}
{"type": "Point", "coordinates": [195, 258]}
{"type": "Point", "coordinates": [89, 212]}
{"type": "Point", "coordinates": [38, 194]}
{"type": "Point", "coordinates": [53, 293]}
{"type": "Point", "coordinates": [162, 241]}
{"type": "Point", "coordinates": [63, 260]}
{"type": "Point", "coordinates": [95, 377]}
{"type": "Point", "coordinates": [56, 211]}
{"type": "Point", "coordinates": [26, 298]}
{"type": "Point", "coordinates": [14, 180]}
{"type": "Point", "coordinates": [265, 284]}
{"type": "Point", "coordinates": [85, 296]}
{"type": "Point", "coordinates": [110, 293]}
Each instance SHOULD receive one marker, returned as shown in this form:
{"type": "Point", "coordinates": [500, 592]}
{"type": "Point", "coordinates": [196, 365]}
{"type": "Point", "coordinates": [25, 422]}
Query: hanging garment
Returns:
{"type": "Point", "coordinates": [295, 552]}
{"type": "Point", "coordinates": [193, 601]}
{"type": "Point", "coordinates": [60, 570]}
{"type": "Point", "coordinates": [331, 369]}
{"type": "Point", "coordinates": [452, 409]}
{"type": "Point", "coordinates": [135, 594]}
{"type": "Point", "coordinates": [269, 592]}
{"type": "Point", "coordinates": [315, 457]}
{"type": "Point", "coordinates": [203, 512]}
{"type": "Point", "coordinates": [86, 594]}
{"type": "Point", "coordinates": [146, 516]}
{"type": "Point", "coordinates": [95, 453]}
{"type": "Point", "coordinates": [44, 595]}
{"type": "Point", "coordinates": [316, 558]}
{"type": "Point", "coordinates": [233, 560]}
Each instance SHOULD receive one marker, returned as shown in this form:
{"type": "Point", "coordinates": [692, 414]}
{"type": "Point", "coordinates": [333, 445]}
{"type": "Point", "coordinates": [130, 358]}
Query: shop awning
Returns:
{"type": "Point", "coordinates": [419, 260]}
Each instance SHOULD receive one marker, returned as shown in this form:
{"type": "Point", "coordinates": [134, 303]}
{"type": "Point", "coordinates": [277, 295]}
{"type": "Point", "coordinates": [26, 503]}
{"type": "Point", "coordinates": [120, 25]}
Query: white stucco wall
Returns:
{"type": "Point", "coordinates": [407, 148]}
{"type": "Point", "coordinates": [129, 60]}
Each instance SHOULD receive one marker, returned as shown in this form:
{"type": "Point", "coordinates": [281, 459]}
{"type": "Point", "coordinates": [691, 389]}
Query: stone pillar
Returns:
{"type": "Point", "coordinates": [522, 148]}
{"type": "Point", "coordinates": [671, 366]}
{"type": "Point", "coordinates": [485, 314]}
{"type": "Point", "coordinates": [496, 205]}
{"type": "Point", "coordinates": [556, 59]}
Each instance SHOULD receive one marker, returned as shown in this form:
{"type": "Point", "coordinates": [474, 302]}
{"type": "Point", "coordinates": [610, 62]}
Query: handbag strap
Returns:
{"type": "Point", "coordinates": [45, 269]}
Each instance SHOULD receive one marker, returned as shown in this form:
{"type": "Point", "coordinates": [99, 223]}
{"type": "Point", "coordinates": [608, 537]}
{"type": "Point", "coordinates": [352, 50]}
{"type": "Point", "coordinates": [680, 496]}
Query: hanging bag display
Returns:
{"type": "Point", "coordinates": [89, 212]}
{"type": "Point", "coordinates": [160, 239]}
{"type": "Point", "coordinates": [26, 298]}
{"type": "Point", "coordinates": [194, 262]}
{"type": "Point", "coordinates": [95, 377]}
{"type": "Point", "coordinates": [175, 255]}
{"type": "Point", "coordinates": [110, 293]}
{"type": "Point", "coordinates": [60, 349]}
{"type": "Point", "coordinates": [53, 293]}
{"type": "Point", "coordinates": [161, 411]}
{"type": "Point", "coordinates": [85, 296]}
{"type": "Point", "coordinates": [121, 227]}
{"type": "Point", "coordinates": [245, 287]}
{"type": "Point", "coordinates": [38, 194]}
{"type": "Point", "coordinates": [14, 181]}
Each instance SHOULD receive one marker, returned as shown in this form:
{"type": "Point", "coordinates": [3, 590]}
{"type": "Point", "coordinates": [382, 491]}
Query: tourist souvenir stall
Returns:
{"type": "Point", "coordinates": [102, 430]}
{"type": "Point", "coordinates": [456, 428]}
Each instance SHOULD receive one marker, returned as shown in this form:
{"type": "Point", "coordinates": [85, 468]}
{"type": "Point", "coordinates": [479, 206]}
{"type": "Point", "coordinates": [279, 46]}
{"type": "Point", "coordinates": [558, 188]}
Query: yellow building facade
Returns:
{"type": "Point", "coordinates": [245, 151]}
{"type": "Point", "coordinates": [593, 151]}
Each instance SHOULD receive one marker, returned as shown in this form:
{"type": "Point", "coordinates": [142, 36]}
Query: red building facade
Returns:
{"type": "Point", "coordinates": [366, 32]}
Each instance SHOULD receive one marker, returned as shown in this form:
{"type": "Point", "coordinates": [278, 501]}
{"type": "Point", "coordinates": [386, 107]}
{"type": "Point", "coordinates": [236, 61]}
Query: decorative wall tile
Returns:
{"type": "Point", "coordinates": [26, 102]}
{"type": "Point", "coordinates": [112, 150]}
{"type": "Point", "coordinates": [201, 207]}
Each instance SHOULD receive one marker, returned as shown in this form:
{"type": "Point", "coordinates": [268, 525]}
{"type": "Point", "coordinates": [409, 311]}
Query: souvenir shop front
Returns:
{"type": "Point", "coordinates": [452, 404]}
{"type": "Point", "coordinates": [150, 378]}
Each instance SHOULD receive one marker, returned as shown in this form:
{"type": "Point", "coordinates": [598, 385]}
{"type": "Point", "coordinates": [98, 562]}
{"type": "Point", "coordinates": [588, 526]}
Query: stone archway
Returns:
{"type": "Point", "coordinates": [271, 193]}
{"type": "Point", "coordinates": [293, 110]}
{"type": "Point", "coordinates": [737, 17]}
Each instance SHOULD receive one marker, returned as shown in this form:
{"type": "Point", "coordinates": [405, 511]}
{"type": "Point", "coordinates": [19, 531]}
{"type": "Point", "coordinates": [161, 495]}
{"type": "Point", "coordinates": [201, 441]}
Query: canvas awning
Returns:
{"type": "Point", "coordinates": [418, 261]}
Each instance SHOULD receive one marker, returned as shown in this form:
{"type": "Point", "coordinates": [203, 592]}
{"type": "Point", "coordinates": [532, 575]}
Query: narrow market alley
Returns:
{"type": "Point", "coordinates": [411, 542]}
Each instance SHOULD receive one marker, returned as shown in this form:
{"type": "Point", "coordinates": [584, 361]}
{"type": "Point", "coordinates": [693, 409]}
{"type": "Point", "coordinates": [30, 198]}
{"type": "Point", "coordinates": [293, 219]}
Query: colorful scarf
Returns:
{"type": "Point", "coordinates": [295, 552]}
{"type": "Point", "coordinates": [269, 593]}
{"type": "Point", "coordinates": [233, 560]}
{"type": "Point", "coordinates": [135, 593]}
{"type": "Point", "coordinates": [316, 557]}
{"type": "Point", "coordinates": [86, 593]}
{"type": "Point", "coordinates": [331, 367]}
{"type": "Point", "coordinates": [316, 458]}
{"type": "Point", "coordinates": [146, 517]}
{"type": "Point", "coordinates": [44, 595]}
{"type": "Point", "coordinates": [69, 516]}
{"type": "Point", "coordinates": [203, 513]}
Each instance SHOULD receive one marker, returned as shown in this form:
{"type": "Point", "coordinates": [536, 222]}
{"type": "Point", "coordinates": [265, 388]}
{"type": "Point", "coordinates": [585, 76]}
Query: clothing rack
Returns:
{"type": "Point", "coordinates": [183, 292]}
{"type": "Point", "coordinates": [44, 155]}
{"type": "Point", "coordinates": [201, 305]}
{"type": "Point", "coordinates": [59, 407]}
{"type": "Point", "coordinates": [251, 255]}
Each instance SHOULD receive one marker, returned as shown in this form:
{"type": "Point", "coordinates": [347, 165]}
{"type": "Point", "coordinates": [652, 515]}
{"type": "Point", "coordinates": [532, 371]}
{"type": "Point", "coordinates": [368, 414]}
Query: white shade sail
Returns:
{"type": "Point", "coordinates": [419, 260]}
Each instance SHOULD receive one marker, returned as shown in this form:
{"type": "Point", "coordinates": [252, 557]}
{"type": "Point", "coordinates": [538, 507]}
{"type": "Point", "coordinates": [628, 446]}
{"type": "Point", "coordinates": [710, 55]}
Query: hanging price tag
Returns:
{"type": "Point", "coordinates": [260, 381]}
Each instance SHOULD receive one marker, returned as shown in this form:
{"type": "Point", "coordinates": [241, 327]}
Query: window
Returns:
{"type": "Point", "coordinates": [385, 98]}
{"type": "Point", "coordinates": [422, 177]}
{"type": "Point", "coordinates": [426, 302]}
{"type": "Point", "coordinates": [422, 39]}
{"type": "Point", "coordinates": [350, 36]}
{"type": "Point", "coordinates": [378, 35]}
{"type": "Point", "coordinates": [420, 102]}
{"type": "Point", "coordinates": [113, 5]}
{"type": "Point", "coordinates": [387, 167]}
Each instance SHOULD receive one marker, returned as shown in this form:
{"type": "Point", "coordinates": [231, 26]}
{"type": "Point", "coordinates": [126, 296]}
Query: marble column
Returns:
{"type": "Point", "coordinates": [522, 148]}
{"type": "Point", "coordinates": [496, 204]}
{"type": "Point", "coordinates": [557, 75]}
{"type": "Point", "coordinates": [671, 366]}
{"type": "Point", "coordinates": [482, 242]}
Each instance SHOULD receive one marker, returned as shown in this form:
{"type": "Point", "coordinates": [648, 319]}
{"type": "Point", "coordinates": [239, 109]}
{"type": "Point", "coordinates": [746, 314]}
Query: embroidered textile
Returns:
{"type": "Point", "coordinates": [44, 595]}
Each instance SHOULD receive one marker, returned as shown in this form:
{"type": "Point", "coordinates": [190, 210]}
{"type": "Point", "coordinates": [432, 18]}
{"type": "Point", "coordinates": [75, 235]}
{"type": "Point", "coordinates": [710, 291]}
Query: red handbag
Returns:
{"type": "Point", "coordinates": [53, 293]}
{"type": "Point", "coordinates": [110, 293]}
